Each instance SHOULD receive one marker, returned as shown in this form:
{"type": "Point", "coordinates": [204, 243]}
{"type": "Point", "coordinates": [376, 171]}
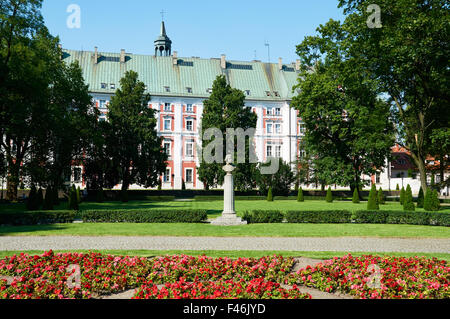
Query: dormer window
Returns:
{"type": "Point", "coordinates": [276, 94]}
{"type": "Point", "coordinates": [247, 92]}
{"type": "Point", "coordinates": [268, 94]}
{"type": "Point", "coordinates": [189, 90]}
{"type": "Point", "coordinates": [167, 89]}
{"type": "Point", "coordinates": [209, 91]}
{"type": "Point", "coordinates": [103, 85]}
{"type": "Point", "coordinates": [112, 86]}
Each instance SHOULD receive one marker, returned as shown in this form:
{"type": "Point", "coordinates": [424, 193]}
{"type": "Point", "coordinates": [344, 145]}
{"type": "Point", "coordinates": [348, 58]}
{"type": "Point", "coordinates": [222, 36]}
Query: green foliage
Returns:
{"type": "Point", "coordinates": [225, 109]}
{"type": "Point", "coordinates": [48, 201]}
{"type": "Point", "coordinates": [355, 198]}
{"type": "Point", "coordinates": [402, 195]}
{"type": "Point", "coordinates": [263, 217]}
{"type": "Point", "coordinates": [270, 195]}
{"type": "Point", "coordinates": [72, 199]}
{"type": "Point", "coordinates": [420, 198]}
{"type": "Point", "coordinates": [408, 204]}
{"type": "Point", "coordinates": [319, 217]}
{"type": "Point", "coordinates": [36, 218]}
{"type": "Point", "coordinates": [372, 204]}
{"type": "Point", "coordinates": [329, 197]}
{"type": "Point", "coordinates": [39, 199]}
{"type": "Point", "coordinates": [31, 201]}
{"type": "Point", "coordinates": [100, 196]}
{"type": "Point", "coordinates": [78, 195]}
{"type": "Point", "coordinates": [300, 197]}
{"type": "Point", "coordinates": [280, 182]}
{"type": "Point", "coordinates": [431, 201]}
{"type": "Point", "coordinates": [381, 198]}
{"type": "Point", "coordinates": [124, 196]}
{"type": "Point", "coordinates": [432, 182]}
{"type": "Point", "coordinates": [145, 216]}
{"type": "Point", "coordinates": [402, 217]}
{"type": "Point", "coordinates": [183, 185]}
{"type": "Point", "coordinates": [397, 188]}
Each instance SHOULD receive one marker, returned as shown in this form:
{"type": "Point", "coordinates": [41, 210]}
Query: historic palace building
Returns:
{"type": "Point", "coordinates": [178, 86]}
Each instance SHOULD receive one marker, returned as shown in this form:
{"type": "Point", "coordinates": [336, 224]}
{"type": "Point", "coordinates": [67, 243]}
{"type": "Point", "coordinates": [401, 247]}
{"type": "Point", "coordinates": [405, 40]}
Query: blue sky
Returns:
{"type": "Point", "coordinates": [197, 28]}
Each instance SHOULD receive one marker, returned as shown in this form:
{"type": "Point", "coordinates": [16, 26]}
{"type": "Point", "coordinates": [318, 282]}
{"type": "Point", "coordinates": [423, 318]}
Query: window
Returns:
{"type": "Point", "coordinates": [189, 90]}
{"type": "Point", "coordinates": [269, 151]}
{"type": "Point", "coordinates": [247, 92]}
{"type": "Point", "coordinates": [167, 107]}
{"type": "Point", "coordinates": [189, 108]}
{"type": "Point", "coordinates": [103, 104]}
{"type": "Point", "coordinates": [278, 111]}
{"type": "Point", "coordinates": [189, 148]}
{"type": "Point", "coordinates": [167, 148]}
{"type": "Point", "coordinates": [278, 128]}
{"type": "Point", "coordinates": [209, 91]}
{"type": "Point", "coordinates": [269, 128]}
{"type": "Point", "coordinates": [302, 128]}
{"type": "Point", "coordinates": [302, 153]}
{"type": "Point", "coordinates": [269, 111]}
{"type": "Point", "coordinates": [112, 86]}
{"type": "Point", "coordinates": [189, 175]}
{"type": "Point", "coordinates": [276, 94]}
{"type": "Point", "coordinates": [278, 151]}
{"type": "Point", "coordinates": [189, 125]}
{"type": "Point", "coordinates": [268, 94]}
{"type": "Point", "coordinates": [167, 124]}
{"type": "Point", "coordinates": [77, 175]}
{"type": "Point", "coordinates": [167, 89]}
{"type": "Point", "coordinates": [102, 118]}
{"type": "Point", "coordinates": [103, 85]}
{"type": "Point", "coordinates": [377, 177]}
{"type": "Point", "coordinates": [166, 177]}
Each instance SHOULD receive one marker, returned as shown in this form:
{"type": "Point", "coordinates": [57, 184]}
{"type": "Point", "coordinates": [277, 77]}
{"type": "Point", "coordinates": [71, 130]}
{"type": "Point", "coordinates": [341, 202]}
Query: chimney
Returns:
{"type": "Point", "coordinates": [175, 58]}
{"type": "Point", "coordinates": [122, 56]}
{"type": "Point", "coordinates": [223, 61]}
{"type": "Point", "coordinates": [280, 64]}
{"type": "Point", "coordinates": [96, 55]}
{"type": "Point", "coordinates": [297, 65]}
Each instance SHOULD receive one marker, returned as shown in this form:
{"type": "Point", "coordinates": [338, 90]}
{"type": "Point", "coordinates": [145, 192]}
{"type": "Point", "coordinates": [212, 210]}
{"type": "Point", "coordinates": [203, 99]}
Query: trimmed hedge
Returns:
{"type": "Point", "coordinates": [37, 218]}
{"type": "Point", "coordinates": [319, 217]}
{"type": "Point", "coordinates": [402, 217]}
{"type": "Point", "coordinates": [144, 216]}
{"type": "Point", "coordinates": [160, 198]}
{"type": "Point", "coordinates": [263, 216]}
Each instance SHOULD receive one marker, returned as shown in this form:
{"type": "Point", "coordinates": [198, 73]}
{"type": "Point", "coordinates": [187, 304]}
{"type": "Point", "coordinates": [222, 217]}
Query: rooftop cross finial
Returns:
{"type": "Point", "coordinates": [162, 15]}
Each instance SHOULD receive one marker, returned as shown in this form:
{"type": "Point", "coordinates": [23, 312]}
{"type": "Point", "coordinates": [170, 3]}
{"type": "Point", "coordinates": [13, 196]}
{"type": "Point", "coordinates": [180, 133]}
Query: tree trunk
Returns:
{"type": "Point", "coordinates": [12, 183]}
{"type": "Point", "coordinates": [420, 162]}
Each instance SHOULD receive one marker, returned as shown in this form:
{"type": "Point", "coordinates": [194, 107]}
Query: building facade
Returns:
{"type": "Point", "coordinates": [178, 86]}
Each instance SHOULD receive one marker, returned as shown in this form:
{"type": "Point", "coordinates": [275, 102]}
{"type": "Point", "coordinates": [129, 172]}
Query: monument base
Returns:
{"type": "Point", "coordinates": [228, 220]}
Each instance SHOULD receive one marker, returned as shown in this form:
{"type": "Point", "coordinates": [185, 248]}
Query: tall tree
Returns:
{"type": "Point", "coordinates": [349, 131]}
{"type": "Point", "coordinates": [225, 109]}
{"type": "Point", "coordinates": [408, 57]}
{"type": "Point", "coordinates": [280, 182]}
{"type": "Point", "coordinates": [132, 143]}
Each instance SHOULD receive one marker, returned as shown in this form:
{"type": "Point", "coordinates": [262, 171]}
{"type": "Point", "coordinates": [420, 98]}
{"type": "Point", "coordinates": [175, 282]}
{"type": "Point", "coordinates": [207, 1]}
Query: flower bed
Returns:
{"type": "Point", "coordinates": [48, 277]}
{"type": "Point", "coordinates": [373, 277]}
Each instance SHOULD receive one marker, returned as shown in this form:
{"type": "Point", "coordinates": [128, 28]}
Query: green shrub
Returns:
{"type": "Point", "coordinates": [300, 197]}
{"type": "Point", "coordinates": [420, 198]}
{"type": "Point", "coordinates": [408, 204]}
{"type": "Point", "coordinates": [329, 197]}
{"type": "Point", "coordinates": [36, 218]}
{"type": "Point", "coordinates": [100, 196]}
{"type": "Point", "coordinates": [319, 217]}
{"type": "Point", "coordinates": [160, 198]}
{"type": "Point", "coordinates": [402, 195]}
{"type": "Point", "coordinates": [124, 196]}
{"type": "Point", "coordinates": [48, 201]}
{"type": "Point", "coordinates": [439, 219]}
{"type": "Point", "coordinates": [78, 192]}
{"type": "Point", "coordinates": [372, 204]}
{"type": "Point", "coordinates": [435, 203]}
{"type": "Point", "coordinates": [370, 217]}
{"type": "Point", "coordinates": [31, 201]}
{"type": "Point", "coordinates": [269, 195]}
{"type": "Point", "coordinates": [355, 198]}
{"type": "Point", "coordinates": [183, 185]}
{"type": "Point", "coordinates": [381, 198]}
{"type": "Point", "coordinates": [73, 201]}
{"type": "Point", "coordinates": [39, 199]}
{"type": "Point", "coordinates": [408, 217]}
{"type": "Point", "coordinates": [144, 216]}
{"type": "Point", "coordinates": [397, 188]}
{"type": "Point", "coordinates": [263, 216]}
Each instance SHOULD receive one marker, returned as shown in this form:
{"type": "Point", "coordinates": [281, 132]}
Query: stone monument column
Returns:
{"type": "Point", "coordinates": [229, 217]}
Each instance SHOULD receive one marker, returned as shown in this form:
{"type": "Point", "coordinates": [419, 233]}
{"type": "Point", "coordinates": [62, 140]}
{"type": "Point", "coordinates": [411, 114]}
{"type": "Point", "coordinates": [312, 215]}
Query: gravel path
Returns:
{"type": "Point", "coordinates": [347, 244]}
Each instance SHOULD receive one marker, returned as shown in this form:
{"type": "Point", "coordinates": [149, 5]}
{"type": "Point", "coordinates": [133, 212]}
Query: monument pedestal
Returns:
{"type": "Point", "coordinates": [229, 217]}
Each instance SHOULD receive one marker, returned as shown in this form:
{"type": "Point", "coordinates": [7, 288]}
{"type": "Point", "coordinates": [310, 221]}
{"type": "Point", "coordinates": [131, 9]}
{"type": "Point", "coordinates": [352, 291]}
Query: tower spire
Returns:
{"type": "Point", "coordinates": [163, 45]}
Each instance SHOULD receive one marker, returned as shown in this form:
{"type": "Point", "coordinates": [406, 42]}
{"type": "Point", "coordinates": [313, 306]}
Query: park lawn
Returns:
{"type": "Point", "coordinates": [252, 230]}
{"type": "Point", "coordinates": [323, 255]}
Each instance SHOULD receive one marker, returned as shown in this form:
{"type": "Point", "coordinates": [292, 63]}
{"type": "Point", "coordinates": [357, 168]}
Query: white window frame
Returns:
{"type": "Point", "coordinates": [186, 175]}
{"type": "Point", "coordinates": [189, 146]}
{"type": "Point", "coordinates": [278, 128]}
{"type": "Point", "coordinates": [169, 176]}
{"type": "Point", "coordinates": [102, 104]}
{"type": "Point", "coordinates": [278, 149]}
{"type": "Point", "coordinates": [168, 150]}
{"type": "Point", "coordinates": [277, 111]}
{"type": "Point", "coordinates": [192, 125]}
{"type": "Point", "coordinates": [169, 120]}
{"type": "Point", "coordinates": [189, 108]}
{"type": "Point", "coordinates": [167, 107]}
{"type": "Point", "coordinates": [269, 154]}
{"type": "Point", "coordinates": [269, 128]}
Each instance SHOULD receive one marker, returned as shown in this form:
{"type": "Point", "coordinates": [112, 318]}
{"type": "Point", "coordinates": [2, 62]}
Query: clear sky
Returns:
{"type": "Point", "coordinates": [203, 28]}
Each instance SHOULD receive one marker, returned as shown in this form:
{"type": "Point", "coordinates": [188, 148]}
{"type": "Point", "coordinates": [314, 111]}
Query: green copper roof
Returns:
{"type": "Point", "coordinates": [194, 73]}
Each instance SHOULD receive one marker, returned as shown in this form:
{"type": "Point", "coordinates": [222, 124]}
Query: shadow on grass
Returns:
{"type": "Point", "coordinates": [15, 230]}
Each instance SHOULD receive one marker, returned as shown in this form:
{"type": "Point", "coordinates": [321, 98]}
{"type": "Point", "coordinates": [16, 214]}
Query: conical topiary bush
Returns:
{"type": "Point", "coordinates": [420, 198]}
{"type": "Point", "coordinates": [39, 199]}
{"type": "Point", "coordinates": [381, 198]}
{"type": "Point", "coordinates": [300, 197]}
{"type": "Point", "coordinates": [355, 198]}
{"type": "Point", "coordinates": [270, 195]}
{"type": "Point", "coordinates": [329, 197]}
{"type": "Point", "coordinates": [372, 204]}
{"type": "Point", "coordinates": [402, 195]}
{"type": "Point", "coordinates": [31, 201]}
{"type": "Point", "coordinates": [48, 201]}
{"type": "Point", "coordinates": [435, 203]}
{"type": "Point", "coordinates": [408, 204]}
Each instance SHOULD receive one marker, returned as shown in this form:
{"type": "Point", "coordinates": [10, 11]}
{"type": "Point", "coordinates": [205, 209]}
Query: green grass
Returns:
{"type": "Point", "coordinates": [236, 254]}
{"type": "Point", "coordinates": [207, 230]}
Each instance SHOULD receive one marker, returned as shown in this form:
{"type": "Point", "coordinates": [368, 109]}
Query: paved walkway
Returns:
{"type": "Point", "coordinates": [347, 244]}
